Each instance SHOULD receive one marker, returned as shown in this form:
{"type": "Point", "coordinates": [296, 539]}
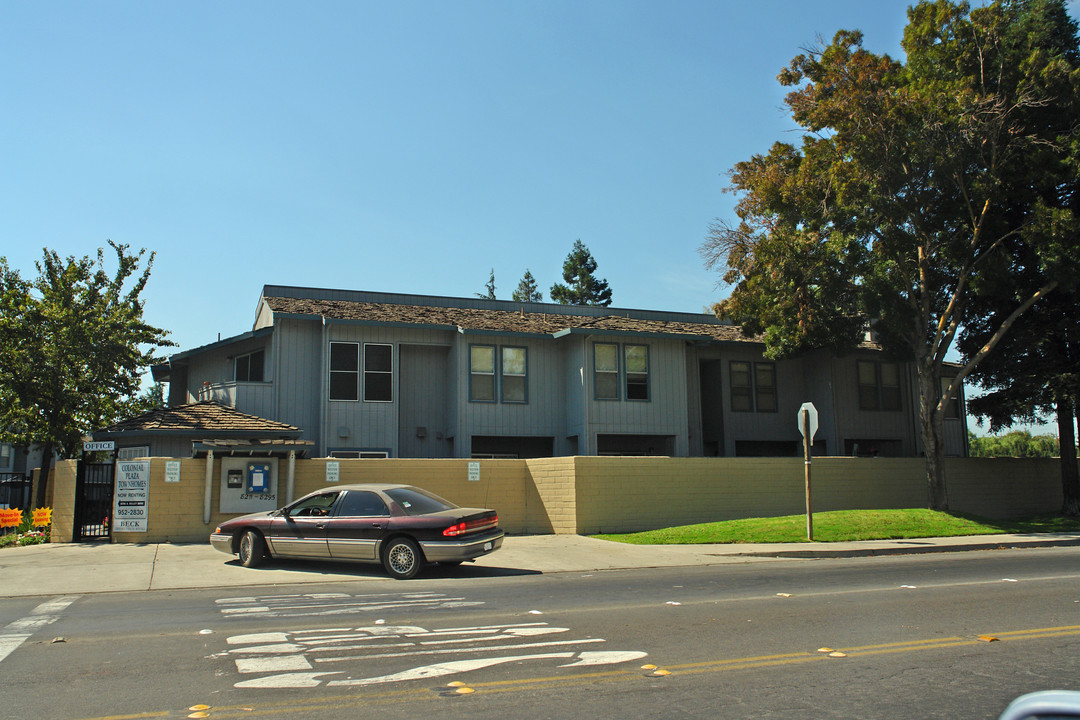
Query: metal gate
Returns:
{"type": "Point", "coordinates": [93, 501]}
{"type": "Point", "coordinates": [15, 491]}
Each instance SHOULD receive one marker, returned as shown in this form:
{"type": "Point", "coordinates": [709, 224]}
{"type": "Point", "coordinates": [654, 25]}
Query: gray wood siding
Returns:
{"type": "Point", "coordinates": [572, 356]}
{"type": "Point", "coordinates": [297, 376]}
{"type": "Point", "coordinates": [664, 413]}
{"type": "Point", "coordinates": [423, 431]}
{"type": "Point", "coordinates": [853, 423]}
{"type": "Point", "coordinates": [543, 413]}
{"type": "Point", "coordinates": [359, 424]}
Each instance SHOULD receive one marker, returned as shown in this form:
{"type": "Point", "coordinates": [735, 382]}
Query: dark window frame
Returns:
{"type": "Point", "coordinates": [340, 373]}
{"type": "Point", "coordinates": [243, 364]}
{"type": "Point", "coordinates": [371, 375]}
{"type": "Point", "coordinates": [877, 396]}
{"type": "Point", "coordinates": [647, 373]}
{"type": "Point", "coordinates": [753, 395]}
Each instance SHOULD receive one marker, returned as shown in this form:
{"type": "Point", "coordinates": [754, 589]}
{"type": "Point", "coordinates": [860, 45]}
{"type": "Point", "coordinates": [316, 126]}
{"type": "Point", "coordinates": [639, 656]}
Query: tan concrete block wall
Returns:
{"type": "Point", "coordinates": [552, 499]}
{"type": "Point", "coordinates": [176, 509]}
{"type": "Point", "coordinates": [600, 494]}
{"type": "Point", "coordinates": [63, 506]}
{"type": "Point", "coordinates": [630, 494]}
{"type": "Point", "coordinates": [1004, 487]}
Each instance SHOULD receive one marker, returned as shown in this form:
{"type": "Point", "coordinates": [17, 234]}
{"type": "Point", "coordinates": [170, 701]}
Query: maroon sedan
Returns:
{"type": "Point", "coordinates": [401, 526]}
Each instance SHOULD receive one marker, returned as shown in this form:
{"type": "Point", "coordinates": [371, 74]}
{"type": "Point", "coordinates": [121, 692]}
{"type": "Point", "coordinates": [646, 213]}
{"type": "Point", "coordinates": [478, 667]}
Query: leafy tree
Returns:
{"type": "Point", "coordinates": [582, 288]}
{"type": "Point", "coordinates": [1018, 443]}
{"type": "Point", "coordinates": [490, 287]}
{"type": "Point", "coordinates": [911, 182]}
{"type": "Point", "coordinates": [73, 344]}
{"type": "Point", "coordinates": [527, 290]}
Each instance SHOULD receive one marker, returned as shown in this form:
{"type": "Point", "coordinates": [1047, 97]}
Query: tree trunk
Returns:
{"type": "Point", "coordinates": [41, 495]}
{"type": "Point", "coordinates": [932, 423]}
{"type": "Point", "coordinates": [1070, 472]}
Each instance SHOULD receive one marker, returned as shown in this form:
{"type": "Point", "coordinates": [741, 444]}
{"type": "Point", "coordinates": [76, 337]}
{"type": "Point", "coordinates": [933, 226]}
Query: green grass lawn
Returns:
{"type": "Point", "coordinates": [843, 525]}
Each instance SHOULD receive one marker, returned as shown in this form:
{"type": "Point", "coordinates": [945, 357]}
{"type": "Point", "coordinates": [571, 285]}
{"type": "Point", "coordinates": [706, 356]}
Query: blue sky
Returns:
{"type": "Point", "coordinates": [404, 147]}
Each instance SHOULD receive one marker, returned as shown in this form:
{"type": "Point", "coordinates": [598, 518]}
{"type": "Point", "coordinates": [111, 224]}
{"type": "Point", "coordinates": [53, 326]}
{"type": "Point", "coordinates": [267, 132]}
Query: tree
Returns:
{"type": "Point", "coordinates": [527, 290]}
{"type": "Point", "coordinates": [911, 181]}
{"type": "Point", "coordinates": [490, 287]}
{"type": "Point", "coordinates": [73, 344]}
{"type": "Point", "coordinates": [582, 288]}
{"type": "Point", "coordinates": [1018, 443]}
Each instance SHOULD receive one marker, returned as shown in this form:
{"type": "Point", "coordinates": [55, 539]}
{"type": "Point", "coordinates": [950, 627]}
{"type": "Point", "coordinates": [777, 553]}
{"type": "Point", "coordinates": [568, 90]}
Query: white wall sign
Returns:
{"type": "Point", "coordinates": [131, 496]}
{"type": "Point", "coordinates": [99, 446]}
{"type": "Point", "coordinates": [474, 471]}
{"type": "Point", "coordinates": [172, 471]}
{"type": "Point", "coordinates": [248, 484]}
{"type": "Point", "coordinates": [333, 471]}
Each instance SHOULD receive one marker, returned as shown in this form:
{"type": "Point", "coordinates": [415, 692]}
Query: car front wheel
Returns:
{"type": "Point", "coordinates": [251, 549]}
{"type": "Point", "coordinates": [402, 559]}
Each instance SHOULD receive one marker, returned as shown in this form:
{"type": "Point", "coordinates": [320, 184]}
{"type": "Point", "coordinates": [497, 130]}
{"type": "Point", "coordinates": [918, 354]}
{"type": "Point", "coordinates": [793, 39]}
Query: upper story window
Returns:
{"type": "Point", "coordinates": [636, 364]}
{"type": "Point", "coordinates": [7, 456]}
{"type": "Point", "coordinates": [753, 386]}
{"type": "Point", "coordinates": [514, 378]}
{"type": "Point", "coordinates": [606, 371]}
{"type": "Point", "coordinates": [631, 365]}
{"type": "Point", "coordinates": [249, 367]}
{"type": "Point", "coordinates": [482, 373]}
{"type": "Point", "coordinates": [879, 385]}
{"type": "Point", "coordinates": [498, 373]}
{"type": "Point", "coordinates": [344, 371]}
{"type": "Point", "coordinates": [378, 372]}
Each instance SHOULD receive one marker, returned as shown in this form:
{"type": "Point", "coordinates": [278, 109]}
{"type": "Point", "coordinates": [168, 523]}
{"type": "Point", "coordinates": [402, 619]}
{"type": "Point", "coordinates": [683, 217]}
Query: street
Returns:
{"type": "Point", "coordinates": [954, 635]}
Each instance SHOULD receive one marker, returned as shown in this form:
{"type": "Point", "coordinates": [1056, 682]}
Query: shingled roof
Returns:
{"type": "Point", "coordinates": [508, 321]}
{"type": "Point", "coordinates": [211, 418]}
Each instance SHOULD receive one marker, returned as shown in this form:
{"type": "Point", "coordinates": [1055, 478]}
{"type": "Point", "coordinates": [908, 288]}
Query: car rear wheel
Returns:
{"type": "Point", "coordinates": [252, 549]}
{"type": "Point", "coordinates": [402, 559]}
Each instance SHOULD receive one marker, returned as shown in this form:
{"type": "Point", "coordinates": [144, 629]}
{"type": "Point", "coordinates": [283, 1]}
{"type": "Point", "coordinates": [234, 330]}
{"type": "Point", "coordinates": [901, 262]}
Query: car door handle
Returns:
{"type": "Point", "coordinates": [378, 526]}
{"type": "Point", "coordinates": [320, 526]}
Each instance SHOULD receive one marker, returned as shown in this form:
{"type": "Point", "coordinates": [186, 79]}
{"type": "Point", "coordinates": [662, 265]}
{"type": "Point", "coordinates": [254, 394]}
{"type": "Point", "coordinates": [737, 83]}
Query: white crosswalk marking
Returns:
{"type": "Point", "coordinates": [306, 658]}
{"type": "Point", "coordinates": [316, 604]}
{"type": "Point", "coordinates": [16, 633]}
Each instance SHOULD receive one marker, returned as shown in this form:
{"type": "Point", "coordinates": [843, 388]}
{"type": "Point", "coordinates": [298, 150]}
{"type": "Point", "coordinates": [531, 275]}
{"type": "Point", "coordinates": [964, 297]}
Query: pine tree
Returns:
{"type": "Point", "coordinates": [582, 287]}
{"type": "Point", "coordinates": [527, 290]}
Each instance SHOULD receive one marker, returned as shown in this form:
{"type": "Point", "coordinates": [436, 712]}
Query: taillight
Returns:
{"type": "Point", "coordinates": [469, 526]}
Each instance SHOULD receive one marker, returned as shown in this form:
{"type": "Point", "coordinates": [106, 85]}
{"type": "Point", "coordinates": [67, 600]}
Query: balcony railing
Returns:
{"type": "Point", "coordinates": [254, 398]}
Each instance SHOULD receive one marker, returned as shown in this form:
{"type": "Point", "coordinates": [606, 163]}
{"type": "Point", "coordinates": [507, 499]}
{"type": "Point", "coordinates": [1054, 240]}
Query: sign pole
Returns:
{"type": "Point", "coordinates": [807, 436]}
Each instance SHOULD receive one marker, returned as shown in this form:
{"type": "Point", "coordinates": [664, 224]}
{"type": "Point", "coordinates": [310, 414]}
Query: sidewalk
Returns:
{"type": "Point", "coordinates": [67, 569]}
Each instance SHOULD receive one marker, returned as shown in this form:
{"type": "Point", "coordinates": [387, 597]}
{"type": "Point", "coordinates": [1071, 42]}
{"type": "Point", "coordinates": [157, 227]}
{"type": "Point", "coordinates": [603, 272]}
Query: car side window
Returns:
{"type": "Point", "coordinates": [362, 504]}
{"type": "Point", "coordinates": [314, 506]}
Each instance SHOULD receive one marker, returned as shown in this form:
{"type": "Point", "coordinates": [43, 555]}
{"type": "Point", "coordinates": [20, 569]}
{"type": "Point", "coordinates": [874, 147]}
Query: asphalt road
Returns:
{"type": "Point", "coordinates": [954, 635]}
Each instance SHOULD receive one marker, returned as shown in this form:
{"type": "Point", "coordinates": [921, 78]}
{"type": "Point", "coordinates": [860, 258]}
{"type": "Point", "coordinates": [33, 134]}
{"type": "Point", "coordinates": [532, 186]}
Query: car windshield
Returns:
{"type": "Point", "coordinates": [415, 501]}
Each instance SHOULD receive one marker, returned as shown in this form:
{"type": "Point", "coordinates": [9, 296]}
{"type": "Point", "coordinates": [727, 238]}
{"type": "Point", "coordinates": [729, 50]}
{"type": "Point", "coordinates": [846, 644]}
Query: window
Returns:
{"type": "Point", "coordinates": [482, 373]}
{"type": "Point", "coordinates": [741, 388]}
{"type": "Point", "coordinates": [879, 385]}
{"type": "Point", "coordinates": [636, 359]}
{"type": "Point", "coordinates": [514, 377]}
{"type": "Point", "coordinates": [344, 371]}
{"type": "Point", "coordinates": [606, 371]}
{"type": "Point", "coordinates": [509, 364]}
{"type": "Point", "coordinates": [362, 503]}
{"type": "Point", "coordinates": [753, 386]}
{"type": "Point", "coordinates": [765, 386]}
{"type": "Point", "coordinates": [378, 373]}
{"type": "Point", "coordinates": [130, 453]}
{"type": "Point", "coordinates": [249, 368]}
{"type": "Point", "coordinates": [359, 454]}
{"type": "Point", "coordinates": [7, 454]}
{"type": "Point", "coordinates": [314, 506]}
